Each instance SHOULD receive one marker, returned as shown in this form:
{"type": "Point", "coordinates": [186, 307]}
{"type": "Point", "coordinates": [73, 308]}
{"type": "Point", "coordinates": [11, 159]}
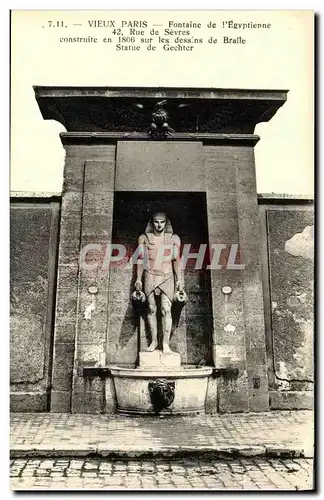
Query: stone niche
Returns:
{"type": "Point", "coordinates": [191, 338]}
{"type": "Point", "coordinates": [122, 161]}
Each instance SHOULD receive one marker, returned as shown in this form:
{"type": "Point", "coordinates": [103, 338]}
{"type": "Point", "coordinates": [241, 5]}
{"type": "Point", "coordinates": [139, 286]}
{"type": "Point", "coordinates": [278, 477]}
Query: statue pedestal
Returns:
{"type": "Point", "coordinates": [159, 360]}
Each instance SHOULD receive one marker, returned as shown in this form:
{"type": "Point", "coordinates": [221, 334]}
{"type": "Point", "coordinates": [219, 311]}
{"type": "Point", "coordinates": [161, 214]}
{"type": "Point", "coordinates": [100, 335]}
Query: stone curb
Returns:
{"type": "Point", "coordinates": [210, 452]}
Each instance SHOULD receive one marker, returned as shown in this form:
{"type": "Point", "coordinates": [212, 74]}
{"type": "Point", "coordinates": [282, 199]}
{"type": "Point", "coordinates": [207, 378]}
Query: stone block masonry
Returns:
{"type": "Point", "coordinates": [204, 149]}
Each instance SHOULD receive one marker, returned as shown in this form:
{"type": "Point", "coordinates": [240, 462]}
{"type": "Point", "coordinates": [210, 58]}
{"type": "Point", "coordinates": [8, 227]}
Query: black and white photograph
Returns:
{"type": "Point", "coordinates": [162, 250]}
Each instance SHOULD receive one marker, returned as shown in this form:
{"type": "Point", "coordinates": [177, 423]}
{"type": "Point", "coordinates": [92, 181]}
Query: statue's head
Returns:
{"type": "Point", "coordinates": [159, 221]}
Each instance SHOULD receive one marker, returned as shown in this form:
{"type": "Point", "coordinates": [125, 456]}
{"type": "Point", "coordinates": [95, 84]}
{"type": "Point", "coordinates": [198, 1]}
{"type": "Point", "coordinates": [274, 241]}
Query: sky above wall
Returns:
{"type": "Point", "coordinates": [276, 58]}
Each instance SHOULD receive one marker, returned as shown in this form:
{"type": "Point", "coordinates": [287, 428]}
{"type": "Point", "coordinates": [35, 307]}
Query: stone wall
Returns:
{"type": "Point", "coordinates": [81, 317]}
{"type": "Point", "coordinates": [33, 247]}
{"type": "Point", "coordinates": [288, 255]}
{"type": "Point", "coordinates": [238, 317]}
{"type": "Point", "coordinates": [117, 140]}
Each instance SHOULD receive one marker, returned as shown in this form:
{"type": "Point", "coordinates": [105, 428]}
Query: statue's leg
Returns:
{"type": "Point", "coordinates": [166, 321]}
{"type": "Point", "coordinates": [152, 323]}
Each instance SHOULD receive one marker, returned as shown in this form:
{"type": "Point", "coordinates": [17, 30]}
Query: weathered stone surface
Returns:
{"type": "Point", "coordinates": [92, 317]}
{"type": "Point", "coordinates": [100, 174]}
{"type": "Point", "coordinates": [73, 175]}
{"type": "Point", "coordinates": [233, 394]}
{"type": "Point", "coordinates": [66, 304]}
{"type": "Point", "coordinates": [28, 225]}
{"type": "Point", "coordinates": [222, 203]}
{"type": "Point", "coordinates": [70, 232]}
{"type": "Point", "coordinates": [82, 150]}
{"type": "Point", "coordinates": [88, 402]}
{"type": "Point", "coordinates": [72, 202]}
{"type": "Point", "coordinates": [67, 281]}
{"type": "Point", "coordinates": [83, 384]}
{"type": "Point", "coordinates": [91, 354]}
{"type": "Point", "coordinates": [226, 355]}
{"type": "Point", "coordinates": [223, 228]}
{"type": "Point", "coordinates": [94, 329]}
{"type": "Point", "coordinates": [97, 203]}
{"type": "Point", "coordinates": [27, 339]}
{"type": "Point", "coordinates": [86, 219]}
{"type": "Point", "coordinates": [250, 240]}
{"type": "Point", "coordinates": [98, 276]}
{"type": "Point", "coordinates": [120, 275]}
{"type": "Point", "coordinates": [67, 275]}
{"type": "Point", "coordinates": [228, 313]}
{"type": "Point", "coordinates": [259, 399]}
{"type": "Point", "coordinates": [211, 397]}
{"type": "Point", "coordinates": [61, 401]}
{"type": "Point", "coordinates": [159, 166]}
{"type": "Point", "coordinates": [158, 360]}
{"type": "Point", "coordinates": [220, 172]}
{"type": "Point", "coordinates": [228, 309]}
{"type": "Point", "coordinates": [69, 250]}
{"type": "Point", "coordinates": [65, 329]}
{"type": "Point", "coordinates": [62, 366]}
{"type": "Point", "coordinates": [66, 309]}
{"type": "Point", "coordinates": [120, 303]}
{"type": "Point", "coordinates": [22, 402]}
{"type": "Point", "coordinates": [237, 319]}
{"type": "Point", "coordinates": [97, 226]}
{"type": "Point", "coordinates": [291, 400]}
{"type": "Point", "coordinates": [32, 260]}
{"type": "Point", "coordinates": [110, 395]}
{"type": "Point", "coordinates": [291, 279]}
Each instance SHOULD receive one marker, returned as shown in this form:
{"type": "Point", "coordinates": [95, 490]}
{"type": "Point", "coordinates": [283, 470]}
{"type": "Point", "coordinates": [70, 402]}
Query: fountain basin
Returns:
{"type": "Point", "coordinates": [133, 388]}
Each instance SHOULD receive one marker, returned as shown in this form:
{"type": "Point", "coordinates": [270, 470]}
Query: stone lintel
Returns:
{"type": "Point", "coordinates": [130, 109]}
{"type": "Point", "coordinates": [101, 138]}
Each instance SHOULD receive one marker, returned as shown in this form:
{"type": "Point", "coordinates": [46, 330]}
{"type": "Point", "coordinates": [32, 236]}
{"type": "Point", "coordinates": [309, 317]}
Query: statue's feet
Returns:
{"type": "Point", "coordinates": [152, 346]}
{"type": "Point", "coordinates": [166, 349]}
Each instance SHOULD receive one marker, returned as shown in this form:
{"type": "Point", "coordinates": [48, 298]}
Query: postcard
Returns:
{"type": "Point", "coordinates": [162, 250]}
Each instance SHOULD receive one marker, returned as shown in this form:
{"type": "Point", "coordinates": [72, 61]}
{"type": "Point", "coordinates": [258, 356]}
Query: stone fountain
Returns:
{"type": "Point", "coordinates": [132, 152]}
{"type": "Point", "coordinates": [159, 383]}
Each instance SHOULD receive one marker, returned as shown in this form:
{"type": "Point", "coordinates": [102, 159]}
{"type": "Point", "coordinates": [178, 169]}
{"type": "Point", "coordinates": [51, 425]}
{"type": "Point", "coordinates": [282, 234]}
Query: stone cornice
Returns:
{"type": "Point", "coordinates": [136, 109]}
{"type": "Point", "coordinates": [199, 93]}
{"type": "Point", "coordinates": [84, 138]}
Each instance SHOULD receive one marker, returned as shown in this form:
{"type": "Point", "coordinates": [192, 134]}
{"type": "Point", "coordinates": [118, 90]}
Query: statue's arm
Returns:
{"type": "Point", "coordinates": [139, 266]}
{"type": "Point", "coordinates": [176, 262]}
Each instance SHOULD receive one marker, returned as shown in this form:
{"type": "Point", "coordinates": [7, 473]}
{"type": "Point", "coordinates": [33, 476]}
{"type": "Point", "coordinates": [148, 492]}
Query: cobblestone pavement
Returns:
{"type": "Point", "coordinates": [249, 474]}
{"type": "Point", "coordinates": [54, 434]}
